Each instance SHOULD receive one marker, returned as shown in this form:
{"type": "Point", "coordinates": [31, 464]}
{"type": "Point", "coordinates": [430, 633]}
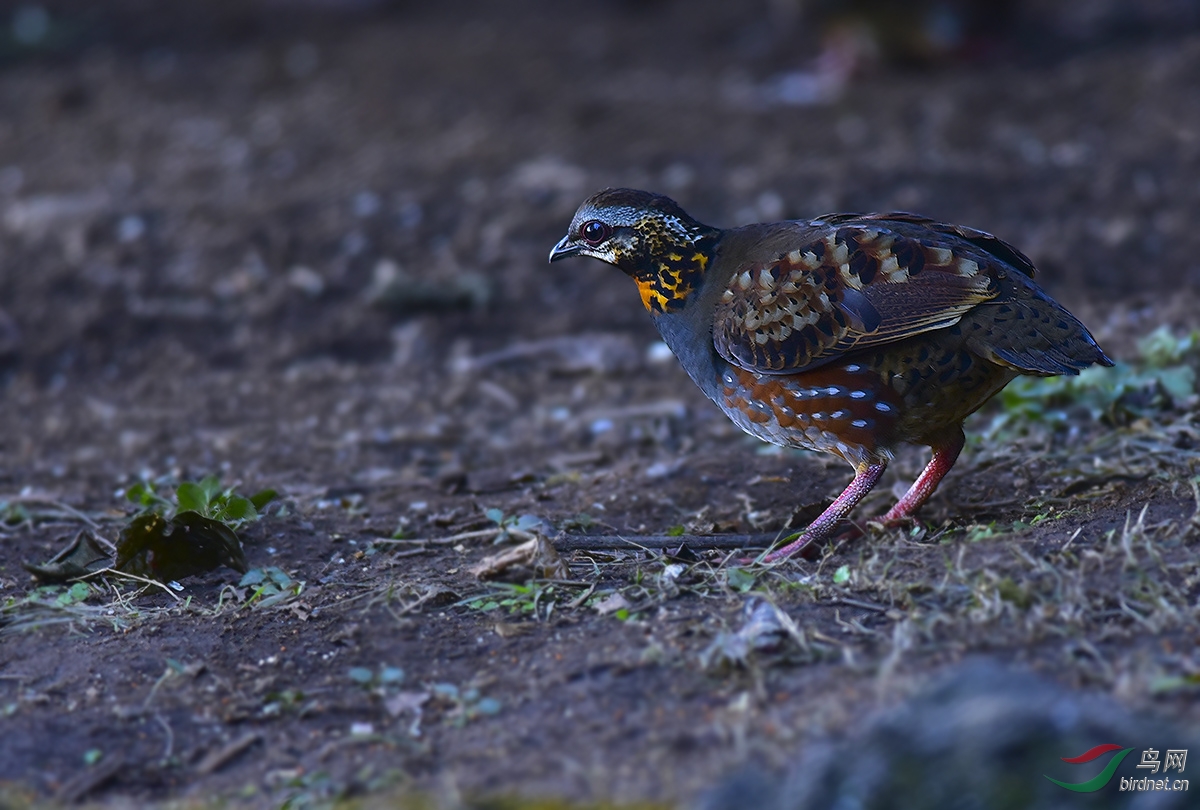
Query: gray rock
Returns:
{"type": "Point", "coordinates": [983, 737]}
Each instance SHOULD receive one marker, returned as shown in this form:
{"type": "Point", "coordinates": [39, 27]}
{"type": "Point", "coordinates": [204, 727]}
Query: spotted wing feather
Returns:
{"type": "Point", "coordinates": [853, 283]}
{"type": "Point", "coordinates": [1025, 329]}
{"type": "Point", "coordinates": [993, 246]}
{"type": "Point", "coordinates": [1021, 327]}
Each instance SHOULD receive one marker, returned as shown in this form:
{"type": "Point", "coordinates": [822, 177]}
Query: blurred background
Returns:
{"type": "Point", "coordinates": [237, 183]}
{"type": "Point", "coordinates": [302, 244]}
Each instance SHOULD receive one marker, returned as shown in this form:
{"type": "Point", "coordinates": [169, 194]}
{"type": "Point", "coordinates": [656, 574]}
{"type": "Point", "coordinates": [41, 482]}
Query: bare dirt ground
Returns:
{"type": "Point", "coordinates": [307, 251]}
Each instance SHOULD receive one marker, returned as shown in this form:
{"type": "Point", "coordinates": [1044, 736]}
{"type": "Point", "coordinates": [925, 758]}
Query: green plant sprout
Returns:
{"type": "Point", "coordinates": [206, 498]}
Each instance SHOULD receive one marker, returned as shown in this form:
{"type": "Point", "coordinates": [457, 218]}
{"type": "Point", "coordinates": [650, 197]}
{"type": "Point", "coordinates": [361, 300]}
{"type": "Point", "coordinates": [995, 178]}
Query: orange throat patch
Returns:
{"type": "Point", "coordinates": [667, 286]}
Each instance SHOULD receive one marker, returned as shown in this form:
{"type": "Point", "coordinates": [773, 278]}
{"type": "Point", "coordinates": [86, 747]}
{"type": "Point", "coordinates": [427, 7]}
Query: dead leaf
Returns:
{"type": "Point", "coordinates": [84, 555]}
{"type": "Point", "coordinates": [612, 603]}
{"type": "Point", "coordinates": [537, 554]}
{"type": "Point", "coordinates": [402, 702]}
{"type": "Point", "coordinates": [408, 703]}
{"type": "Point", "coordinates": [766, 628]}
{"type": "Point", "coordinates": [511, 630]}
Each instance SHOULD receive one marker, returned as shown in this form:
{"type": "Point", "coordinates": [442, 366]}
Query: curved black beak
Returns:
{"type": "Point", "coordinates": [563, 249]}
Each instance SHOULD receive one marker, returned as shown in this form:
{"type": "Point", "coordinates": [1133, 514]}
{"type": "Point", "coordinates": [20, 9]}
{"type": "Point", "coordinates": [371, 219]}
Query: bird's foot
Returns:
{"type": "Point", "coordinates": [802, 545]}
{"type": "Point", "coordinates": [827, 524]}
{"type": "Point", "coordinates": [797, 544]}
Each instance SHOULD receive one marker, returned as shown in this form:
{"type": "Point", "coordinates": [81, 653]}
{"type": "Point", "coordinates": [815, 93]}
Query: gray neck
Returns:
{"type": "Point", "coordinates": [695, 351]}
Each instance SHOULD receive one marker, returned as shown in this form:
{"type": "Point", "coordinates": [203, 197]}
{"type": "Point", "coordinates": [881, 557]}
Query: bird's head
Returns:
{"type": "Point", "coordinates": [648, 236]}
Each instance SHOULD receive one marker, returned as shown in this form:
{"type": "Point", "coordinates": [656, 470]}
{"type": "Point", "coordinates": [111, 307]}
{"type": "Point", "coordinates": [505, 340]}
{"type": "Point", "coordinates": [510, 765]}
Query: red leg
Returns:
{"type": "Point", "coordinates": [945, 453]}
{"type": "Point", "coordinates": [867, 476]}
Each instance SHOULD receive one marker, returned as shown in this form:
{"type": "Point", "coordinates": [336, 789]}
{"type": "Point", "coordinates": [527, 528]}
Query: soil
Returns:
{"type": "Point", "coordinates": [303, 246]}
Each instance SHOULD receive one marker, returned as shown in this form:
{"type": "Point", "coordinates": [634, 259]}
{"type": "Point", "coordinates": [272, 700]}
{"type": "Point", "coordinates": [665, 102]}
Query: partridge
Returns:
{"type": "Point", "coordinates": [847, 334]}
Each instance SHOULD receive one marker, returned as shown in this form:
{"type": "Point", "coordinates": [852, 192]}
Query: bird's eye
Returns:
{"type": "Point", "coordinates": [595, 232]}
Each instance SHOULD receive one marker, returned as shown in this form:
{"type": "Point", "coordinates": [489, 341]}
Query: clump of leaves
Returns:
{"type": "Point", "coordinates": [204, 497]}
{"type": "Point", "coordinates": [510, 524]}
{"type": "Point", "coordinates": [370, 679]}
{"type": "Point", "coordinates": [13, 514]}
{"type": "Point", "coordinates": [194, 533]}
{"type": "Point", "coordinates": [59, 596]}
{"type": "Point", "coordinates": [272, 586]}
{"type": "Point", "coordinates": [512, 598]}
{"type": "Point", "coordinates": [52, 604]}
{"type": "Point", "coordinates": [577, 523]}
{"type": "Point", "coordinates": [465, 704]}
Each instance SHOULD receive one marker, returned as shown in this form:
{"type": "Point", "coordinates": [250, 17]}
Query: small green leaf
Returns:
{"type": "Point", "coordinates": [1010, 591]}
{"type": "Point", "coordinates": [278, 576]}
{"type": "Point", "coordinates": [739, 579]}
{"type": "Point", "coordinates": [1179, 683]}
{"type": "Point", "coordinates": [1161, 348]}
{"type": "Point", "coordinates": [92, 756]}
{"type": "Point", "coordinates": [143, 495]}
{"type": "Point", "coordinates": [239, 508]}
{"type": "Point", "coordinates": [1179, 382]}
{"type": "Point", "coordinates": [14, 514]}
{"type": "Point", "coordinates": [361, 675]}
{"type": "Point", "coordinates": [255, 576]}
{"type": "Point", "coordinates": [583, 520]}
{"type": "Point", "coordinates": [271, 597]}
{"type": "Point", "coordinates": [527, 522]}
{"type": "Point", "coordinates": [391, 675]}
{"type": "Point", "coordinates": [191, 497]}
{"type": "Point", "coordinates": [495, 516]}
{"type": "Point", "coordinates": [263, 497]}
{"type": "Point", "coordinates": [211, 486]}
{"type": "Point", "coordinates": [842, 575]}
{"type": "Point", "coordinates": [676, 531]}
{"type": "Point", "coordinates": [78, 592]}
{"type": "Point", "coordinates": [488, 706]}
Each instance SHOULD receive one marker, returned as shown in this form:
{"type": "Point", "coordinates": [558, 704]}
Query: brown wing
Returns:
{"type": "Point", "coordinates": [1022, 327]}
{"type": "Point", "coordinates": [856, 282]}
{"type": "Point", "coordinates": [993, 246]}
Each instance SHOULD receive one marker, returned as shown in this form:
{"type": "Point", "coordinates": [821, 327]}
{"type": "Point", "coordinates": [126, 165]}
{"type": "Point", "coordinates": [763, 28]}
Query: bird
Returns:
{"type": "Point", "coordinates": [849, 334]}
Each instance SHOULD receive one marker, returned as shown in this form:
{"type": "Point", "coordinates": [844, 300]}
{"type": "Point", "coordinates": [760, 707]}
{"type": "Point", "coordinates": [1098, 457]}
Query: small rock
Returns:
{"type": "Point", "coordinates": [306, 280]}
